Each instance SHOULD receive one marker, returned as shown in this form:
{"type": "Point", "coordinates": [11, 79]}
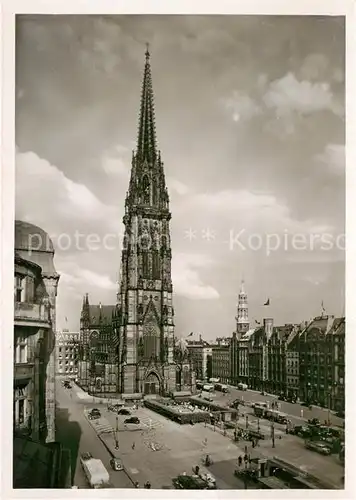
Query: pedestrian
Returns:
{"type": "Point", "coordinates": [136, 484]}
{"type": "Point", "coordinates": [133, 445]}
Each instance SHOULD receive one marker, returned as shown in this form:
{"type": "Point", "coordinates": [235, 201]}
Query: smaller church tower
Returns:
{"type": "Point", "coordinates": [242, 323]}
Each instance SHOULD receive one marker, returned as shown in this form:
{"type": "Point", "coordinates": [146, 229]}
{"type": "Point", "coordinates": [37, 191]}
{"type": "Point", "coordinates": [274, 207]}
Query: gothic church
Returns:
{"type": "Point", "coordinates": [143, 320]}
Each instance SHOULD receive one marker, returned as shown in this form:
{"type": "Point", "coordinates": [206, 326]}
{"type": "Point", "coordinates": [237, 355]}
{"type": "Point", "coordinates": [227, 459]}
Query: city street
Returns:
{"type": "Point", "coordinates": [158, 449]}
{"type": "Point", "coordinates": [296, 411]}
{"type": "Point", "coordinates": [76, 434]}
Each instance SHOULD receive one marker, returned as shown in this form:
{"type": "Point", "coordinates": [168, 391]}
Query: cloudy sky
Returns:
{"type": "Point", "coordinates": [250, 122]}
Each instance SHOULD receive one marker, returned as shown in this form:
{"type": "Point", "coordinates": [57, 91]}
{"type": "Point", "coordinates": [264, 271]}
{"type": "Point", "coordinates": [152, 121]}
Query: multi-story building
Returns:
{"type": "Point", "coordinates": [277, 349]}
{"type": "Point", "coordinates": [67, 344]}
{"type": "Point", "coordinates": [35, 291]}
{"type": "Point", "coordinates": [336, 338]}
{"type": "Point", "coordinates": [316, 360]}
{"type": "Point", "coordinates": [98, 357]}
{"type": "Point", "coordinates": [292, 364]}
{"type": "Point", "coordinates": [200, 354]}
{"type": "Point", "coordinates": [221, 361]}
{"type": "Point", "coordinates": [238, 351]}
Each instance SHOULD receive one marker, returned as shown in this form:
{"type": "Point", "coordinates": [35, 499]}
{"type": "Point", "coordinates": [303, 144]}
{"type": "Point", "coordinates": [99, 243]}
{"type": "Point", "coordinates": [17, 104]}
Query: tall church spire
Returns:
{"type": "Point", "coordinates": [242, 323]}
{"type": "Point", "coordinates": [147, 186]}
{"type": "Point", "coordinates": [146, 142]}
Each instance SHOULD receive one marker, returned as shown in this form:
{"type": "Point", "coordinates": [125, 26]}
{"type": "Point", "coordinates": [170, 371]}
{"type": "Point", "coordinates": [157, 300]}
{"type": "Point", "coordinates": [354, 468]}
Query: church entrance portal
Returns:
{"type": "Point", "coordinates": [152, 384]}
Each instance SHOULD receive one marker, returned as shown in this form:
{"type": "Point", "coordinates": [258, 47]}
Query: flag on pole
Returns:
{"type": "Point", "coordinates": [322, 306]}
{"type": "Point", "coordinates": [191, 333]}
{"type": "Point", "coordinates": [266, 303]}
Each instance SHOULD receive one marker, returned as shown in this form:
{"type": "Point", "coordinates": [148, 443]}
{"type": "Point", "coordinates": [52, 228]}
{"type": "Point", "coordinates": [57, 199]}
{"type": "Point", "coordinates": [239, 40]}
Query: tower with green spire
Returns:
{"type": "Point", "coordinates": [144, 317]}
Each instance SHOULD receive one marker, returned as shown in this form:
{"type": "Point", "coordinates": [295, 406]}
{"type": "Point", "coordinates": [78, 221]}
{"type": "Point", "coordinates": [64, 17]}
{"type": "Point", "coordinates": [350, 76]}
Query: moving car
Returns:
{"type": "Point", "coordinates": [123, 411]}
{"type": "Point", "coordinates": [132, 420]}
{"type": "Point", "coordinates": [116, 464]}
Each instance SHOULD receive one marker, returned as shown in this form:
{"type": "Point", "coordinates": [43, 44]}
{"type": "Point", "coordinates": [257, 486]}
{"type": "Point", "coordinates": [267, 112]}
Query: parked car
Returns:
{"type": "Point", "coordinates": [116, 407]}
{"type": "Point", "coordinates": [132, 420]}
{"type": "Point", "coordinates": [314, 421]}
{"type": "Point", "coordinates": [95, 410]}
{"type": "Point", "coordinates": [94, 414]}
{"type": "Point", "coordinates": [116, 464]}
{"type": "Point", "coordinates": [318, 447]}
{"type": "Point", "coordinates": [281, 397]}
{"type": "Point", "coordinates": [123, 411]}
{"type": "Point", "coordinates": [184, 482]}
{"type": "Point", "coordinates": [67, 385]}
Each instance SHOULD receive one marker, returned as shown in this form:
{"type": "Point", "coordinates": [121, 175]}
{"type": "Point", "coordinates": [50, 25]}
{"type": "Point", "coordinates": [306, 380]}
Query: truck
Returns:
{"type": "Point", "coordinates": [95, 471]}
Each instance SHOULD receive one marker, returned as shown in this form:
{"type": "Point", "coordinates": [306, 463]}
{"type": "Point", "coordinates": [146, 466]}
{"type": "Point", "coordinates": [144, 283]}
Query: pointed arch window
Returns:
{"type": "Point", "coordinates": [151, 340]}
{"type": "Point", "coordinates": [154, 193]}
{"type": "Point", "coordinates": [156, 265]}
{"type": "Point", "coordinates": [145, 265]}
{"type": "Point", "coordinates": [146, 189]}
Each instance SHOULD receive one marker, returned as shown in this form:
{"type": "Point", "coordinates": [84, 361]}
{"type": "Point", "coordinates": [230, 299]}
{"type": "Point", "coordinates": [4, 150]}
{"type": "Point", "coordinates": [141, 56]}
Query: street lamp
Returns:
{"type": "Point", "coordinates": [272, 435]}
{"type": "Point", "coordinates": [117, 433]}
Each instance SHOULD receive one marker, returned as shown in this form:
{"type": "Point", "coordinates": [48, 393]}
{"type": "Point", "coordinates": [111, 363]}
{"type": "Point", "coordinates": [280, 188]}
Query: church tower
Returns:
{"type": "Point", "coordinates": [143, 319]}
{"type": "Point", "coordinates": [242, 323]}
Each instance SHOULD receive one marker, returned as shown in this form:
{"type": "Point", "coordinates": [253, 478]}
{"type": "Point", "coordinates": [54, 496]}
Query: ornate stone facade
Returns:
{"type": "Point", "coordinates": [98, 361]}
{"type": "Point", "coordinates": [35, 292]}
{"type": "Point", "coordinates": [242, 322]}
{"type": "Point", "coordinates": [144, 316]}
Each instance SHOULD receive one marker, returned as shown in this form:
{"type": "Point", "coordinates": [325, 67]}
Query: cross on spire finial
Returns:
{"type": "Point", "coordinates": [147, 53]}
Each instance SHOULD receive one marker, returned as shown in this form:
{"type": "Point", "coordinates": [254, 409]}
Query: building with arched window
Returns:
{"type": "Point", "coordinates": [35, 291]}
{"type": "Point", "coordinates": [144, 316]}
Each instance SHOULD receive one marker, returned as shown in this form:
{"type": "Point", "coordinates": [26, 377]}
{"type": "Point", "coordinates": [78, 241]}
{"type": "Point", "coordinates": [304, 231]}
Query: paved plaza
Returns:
{"type": "Point", "coordinates": [160, 449]}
